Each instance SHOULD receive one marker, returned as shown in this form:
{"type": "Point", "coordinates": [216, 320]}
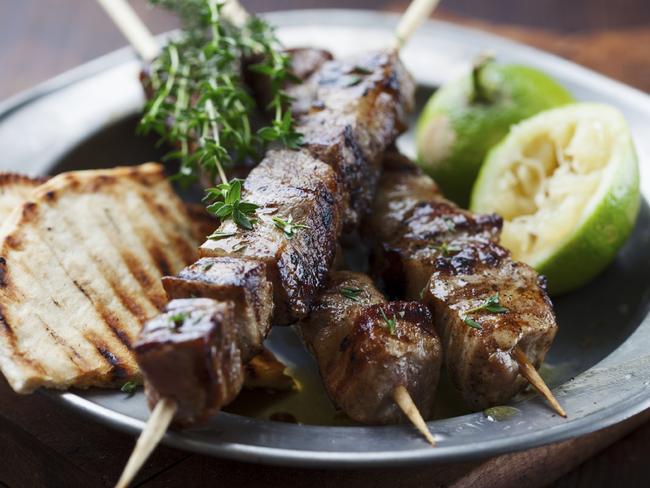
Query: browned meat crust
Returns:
{"type": "Point", "coordinates": [451, 259]}
{"type": "Point", "coordinates": [240, 281]}
{"type": "Point", "coordinates": [314, 186]}
{"type": "Point", "coordinates": [362, 360]}
{"type": "Point", "coordinates": [190, 355]}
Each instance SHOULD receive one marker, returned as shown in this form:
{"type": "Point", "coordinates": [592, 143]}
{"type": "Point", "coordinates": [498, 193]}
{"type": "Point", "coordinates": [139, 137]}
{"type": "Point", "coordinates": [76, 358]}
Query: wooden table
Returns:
{"type": "Point", "coordinates": [44, 444]}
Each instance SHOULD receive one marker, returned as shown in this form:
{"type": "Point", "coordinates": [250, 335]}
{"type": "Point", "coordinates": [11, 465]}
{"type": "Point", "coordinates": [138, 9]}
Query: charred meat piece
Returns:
{"type": "Point", "coordinates": [190, 355]}
{"type": "Point", "coordinates": [288, 186]}
{"type": "Point", "coordinates": [450, 259]}
{"type": "Point", "coordinates": [365, 348]}
{"type": "Point", "coordinates": [358, 108]}
{"type": "Point", "coordinates": [243, 282]}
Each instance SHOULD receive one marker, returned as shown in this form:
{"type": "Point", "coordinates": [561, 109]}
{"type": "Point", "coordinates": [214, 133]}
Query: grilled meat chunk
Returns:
{"type": "Point", "coordinates": [287, 185]}
{"type": "Point", "coordinates": [190, 355]}
{"type": "Point", "coordinates": [365, 348]}
{"type": "Point", "coordinates": [243, 282]}
{"type": "Point", "coordinates": [358, 108]}
{"type": "Point", "coordinates": [303, 195]}
{"type": "Point", "coordinates": [450, 258]}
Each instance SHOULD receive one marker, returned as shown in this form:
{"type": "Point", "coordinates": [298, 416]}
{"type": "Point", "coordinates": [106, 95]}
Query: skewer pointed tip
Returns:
{"type": "Point", "coordinates": [528, 371]}
{"type": "Point", "coordinates": [405, 402]}
{"type": "Point", "coordinates": [160, 418]}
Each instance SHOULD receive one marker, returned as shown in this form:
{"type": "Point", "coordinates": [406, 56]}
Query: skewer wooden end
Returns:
{"type": "Point", "coordinates": [528, 371]}
{"type": "Point", "coordinates": [155, 429]}
{"type": "Point", "coordinates": [132, 27]}
{"type": "Point", "coordinates": [405, 402]}
{"type": "Point", "coordinates": [417, 12]}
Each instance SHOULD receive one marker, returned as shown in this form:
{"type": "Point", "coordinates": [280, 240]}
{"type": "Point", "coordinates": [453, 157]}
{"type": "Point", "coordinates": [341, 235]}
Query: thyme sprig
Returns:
{"type": "Point", "coordinates": [199, 102]}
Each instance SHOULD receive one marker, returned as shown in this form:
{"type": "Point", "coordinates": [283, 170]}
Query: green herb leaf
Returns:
{"type": "Point", "coordinates": [391, 324]}
{"type": "Point", "coordinates": [228, 204]}
{"type": "Point", "coordinates": [178, 319]}
{"type": "Point", "coordinates": [472, 323]}
{"type": "Point", "coordinates": [351, 293]}
{"type": "Point", "coordinates": [288, 226]}
{"type": "Point", "coordinates": [129, 388]}
{"type": "Point", "coordinates": [216, 235]}
{"type": "Point", "coordinates": [360, 70]}
{"type": "Point", "coordinates": [491, 304]}
{"type": "Point", "coordinates": [447, 249]}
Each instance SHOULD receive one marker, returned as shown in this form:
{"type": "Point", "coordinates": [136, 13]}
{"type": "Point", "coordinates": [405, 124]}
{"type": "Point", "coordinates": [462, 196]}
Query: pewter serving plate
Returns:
{"type": "Point", "coordinates": [599, 366]}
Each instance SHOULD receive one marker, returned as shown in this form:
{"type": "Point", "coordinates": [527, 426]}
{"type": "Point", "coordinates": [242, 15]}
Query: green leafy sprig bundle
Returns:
{"type": "Point", "coordinates": [200, 104]}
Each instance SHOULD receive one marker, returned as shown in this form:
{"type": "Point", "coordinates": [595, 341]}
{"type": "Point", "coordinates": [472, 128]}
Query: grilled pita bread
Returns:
{"type": "Point", "coordinates": [80, 269]}
{"type": "Point", "coordinates": [15, 189]}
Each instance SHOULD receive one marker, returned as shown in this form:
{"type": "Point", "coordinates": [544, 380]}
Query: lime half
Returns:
{"type": "Point", "coordinates": [566, 182]}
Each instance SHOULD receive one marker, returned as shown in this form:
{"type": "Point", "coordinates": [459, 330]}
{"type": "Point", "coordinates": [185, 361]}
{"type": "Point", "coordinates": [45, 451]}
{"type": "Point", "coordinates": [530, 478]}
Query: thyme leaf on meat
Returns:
{"type": "Point", "coordinates": [391, 324]}
{"type": "Point", "coordinates": [288, 226]}
{"type": "Point", "coordinates": [227, 203]}
{"type": "Point", "coordinates": [351, 293]}
{"type": "Point", "coordinates": [178, 318]}
{"type": "Point", "coordinates": [491, 304]}
{"type": "Point", "coordinates": [472, 323]}
{"type": "Point", "coordinates": [199, 102]}
{"type": "Point", "coordinates": [216, 235]}
{"type": "Point", "coordinates": [447, 249]}
{"type": "Point", "coordinates": [129, 388]}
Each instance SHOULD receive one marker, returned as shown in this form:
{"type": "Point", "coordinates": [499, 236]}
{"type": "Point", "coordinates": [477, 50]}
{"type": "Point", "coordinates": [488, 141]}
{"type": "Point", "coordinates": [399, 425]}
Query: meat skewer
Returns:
{"type": "Point", "coordinates": [309, 212]}
{"type": "Point", "coordinates": [491, 312]}
{"type": "Point", "coordinates": [373, 355]}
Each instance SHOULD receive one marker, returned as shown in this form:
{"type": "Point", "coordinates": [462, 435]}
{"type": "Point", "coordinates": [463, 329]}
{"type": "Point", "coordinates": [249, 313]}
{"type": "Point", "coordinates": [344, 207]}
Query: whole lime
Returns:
{"type": "Point", "coordinates": [468, 116]}
{"type": "Point", "coordinates": [566, 183]}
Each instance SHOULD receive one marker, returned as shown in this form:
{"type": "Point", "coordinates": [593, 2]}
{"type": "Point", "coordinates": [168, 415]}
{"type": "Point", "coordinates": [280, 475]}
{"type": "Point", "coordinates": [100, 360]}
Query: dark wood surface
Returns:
{"type": "Point", "coordinates": [43, 444]}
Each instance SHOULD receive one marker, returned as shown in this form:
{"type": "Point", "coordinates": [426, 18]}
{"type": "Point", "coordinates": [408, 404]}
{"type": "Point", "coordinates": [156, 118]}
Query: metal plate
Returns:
{"type": "Point", "coordinates": [600, 363]}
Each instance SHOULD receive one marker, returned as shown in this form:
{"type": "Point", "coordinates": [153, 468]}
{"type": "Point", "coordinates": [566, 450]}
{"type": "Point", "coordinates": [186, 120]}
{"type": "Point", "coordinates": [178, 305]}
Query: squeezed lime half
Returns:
{"type": "Point", "coordinates": [566, 182]}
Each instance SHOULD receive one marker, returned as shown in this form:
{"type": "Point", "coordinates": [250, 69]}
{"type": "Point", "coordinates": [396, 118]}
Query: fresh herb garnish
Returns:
{"type": "Point", "coordinates": [227, 203]}
{"type": "Point", "coordinates": [178, 318]}
{"type": "Point", "coordinates": [447, 249]}
{"type": "Point", "coordinates": [216, 235]}
{"type": "Point", "coordinates": [391, 324]}
{"type": "Point", "coordinates": [239, 247]}
{"type": "Point", "coordinates": [472, 323]}
{"type": "Point", "coordinates": [491, 304]}
{"type": "Point", "coordinates": [200, 104]}
{"type": "Point", "coordinates": [360, 70]}
{"type": "Point", "coordinates": [288, 226]}
{"type": "Point", "coordinates": [129, 388]}
{"type": "Point", "coordinates": [352, 80]}
{"type": "Point", "coordinates": [351, 293]}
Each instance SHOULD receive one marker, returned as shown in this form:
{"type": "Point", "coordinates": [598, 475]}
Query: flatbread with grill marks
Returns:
{"type": "Point", "coordinates": [80, 269]}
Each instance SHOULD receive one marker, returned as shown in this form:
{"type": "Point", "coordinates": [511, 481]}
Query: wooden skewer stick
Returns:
{"type": "Point", "coordinates": [405, 402]}
{"type": "Point", "coordinates": [417, 12]}
{"type": "Point", "coordinates": [153, 432]}
{"type": "Point", "coordinates": [127, 20]}
{"type": "Point", "coordinates": [528, 371]}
